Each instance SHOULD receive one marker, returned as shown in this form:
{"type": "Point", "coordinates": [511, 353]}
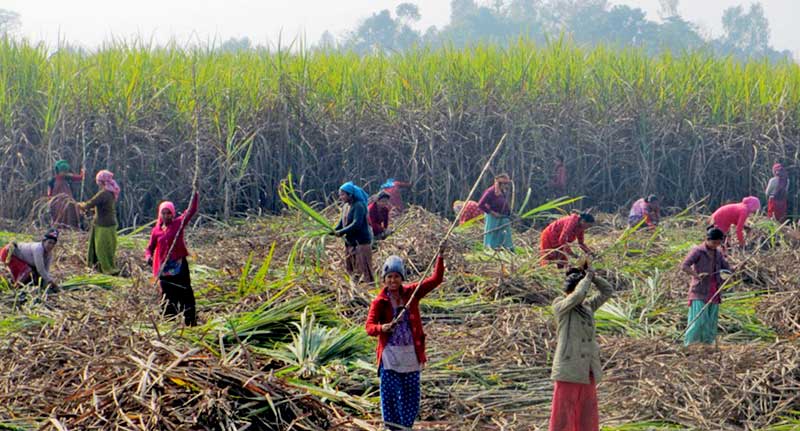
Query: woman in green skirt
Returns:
{"type": "Point", "coordinates": [705, 263]}
{"type": "Point", "coordinates": [103, 235]}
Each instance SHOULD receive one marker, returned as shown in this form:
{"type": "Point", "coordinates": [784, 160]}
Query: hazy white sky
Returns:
{"type": "Point", "coordinates": [89, 22]}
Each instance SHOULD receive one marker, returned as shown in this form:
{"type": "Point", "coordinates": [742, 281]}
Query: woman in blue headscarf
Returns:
{"type": "Point", "coordinates": [354, 227]}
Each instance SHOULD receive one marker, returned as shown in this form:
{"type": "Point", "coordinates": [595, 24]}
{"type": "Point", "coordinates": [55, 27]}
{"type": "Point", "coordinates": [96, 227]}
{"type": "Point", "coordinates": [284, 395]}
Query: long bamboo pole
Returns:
{"type": "Point", "coordinates": [195, 177]}
{"type": "Point", "coordinates": [450, 229]}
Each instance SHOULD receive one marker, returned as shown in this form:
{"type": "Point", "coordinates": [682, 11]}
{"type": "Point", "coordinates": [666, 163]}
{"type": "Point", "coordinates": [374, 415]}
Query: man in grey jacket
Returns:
{"type": "Point", "coordinates": [576, 365]}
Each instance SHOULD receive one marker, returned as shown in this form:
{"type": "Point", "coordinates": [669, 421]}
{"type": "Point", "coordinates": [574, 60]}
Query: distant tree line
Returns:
{"type": "Point", "coordinates": [746, 32]}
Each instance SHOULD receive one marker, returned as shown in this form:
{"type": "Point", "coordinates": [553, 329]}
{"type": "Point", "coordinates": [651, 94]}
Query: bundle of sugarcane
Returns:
{"type": "Point", "coordinates": [289, 197]}
{"type": "Point", "coordinates": [97, 280]}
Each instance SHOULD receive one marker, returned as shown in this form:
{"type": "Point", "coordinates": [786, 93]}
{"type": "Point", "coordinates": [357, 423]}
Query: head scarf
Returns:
{"type": "Point", "coordinates": [51, 233]}
{"type": "Point", "coordinates": [388, 184]}
{"type": "Point", "coordinates": [752, 203]}
{"type": "Point", "coordinates": [393, 264]}
{"type": "Point", "coordinates": [355, 191]}
{"type": "Point", "coordinates": [165, 205]}
{"type": "Point", "coordinates": [778, 170]}
{"type": "Point", "coordinates": [62, 166]}
{"type": "Point", "coordinates": [457, 205]}
{"type": "Point", "coordinates": [105, 179]}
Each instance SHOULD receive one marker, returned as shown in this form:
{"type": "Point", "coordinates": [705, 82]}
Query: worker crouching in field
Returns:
{"type": "Point", "coordinates": [401, 341]}
{"type": "Point", "coordinates": [494, 203]}
{"type": "Point", "coordinates": [777, 193]}
{"type": "Point", "coordinates": [167, 253]}
{"type": "Point", "coordinates": [735, 214]}
{"type": "Point", "coordinates": [103, 235]}
{"type": "Point", "coordinates": [576, 364]}
{"type": "Point", "coordinates": [554, 242]}
{"type": "Point", "coordinates": [29, 262]}
{"type": "Point", "coordinates": [354, 227]}
{"type": "Point", "coordinates": [646, 209]}
{"type": "Point", "coordinates": [378, 213]}
{"type": "Point", "coordinates": [705, 263]}
{"type": "Point", "coordinates": [471, 210]}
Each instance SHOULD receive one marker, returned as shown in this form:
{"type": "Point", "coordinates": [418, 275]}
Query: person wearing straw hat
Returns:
{"type": "Point", "coordinates": [29, 262]}
{"type": "Point", "coordinates": [556, 237]}
{"type": "Point", "coordinates": [354, 228]}
{"type": "Point", "coordinates": [777, 193]}
{"type": "Point", "coordinates": [63, 212]}
{"type": "Point", "coordinates": [495, 204]}
{"type": "Point", "coordinates": [706, 264]}
{"type": "Point", "coordinates": [103, 234]}
{"type": "Point", "coordinates": [167, 253]}
{"type": "Point", "coordinates": [735, 214]}
{"type": "Point", "coordinates": [401, 340]}
{"type": "Point", "coordinates": [646, 209]}
{"type": "Point", "coordinates": [576, 363]}
{"type": "Point", "coordinates": [471, 210]}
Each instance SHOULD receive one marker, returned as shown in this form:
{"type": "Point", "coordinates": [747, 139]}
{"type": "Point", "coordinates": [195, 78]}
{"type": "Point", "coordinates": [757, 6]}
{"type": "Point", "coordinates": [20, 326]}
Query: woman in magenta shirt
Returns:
{"type": "Point", "coordinates": [735, 214]}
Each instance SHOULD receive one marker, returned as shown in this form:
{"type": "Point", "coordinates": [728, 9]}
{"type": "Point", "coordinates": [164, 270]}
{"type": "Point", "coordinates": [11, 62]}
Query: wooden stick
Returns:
{"type": "Point", "coordinates": [450, 229]}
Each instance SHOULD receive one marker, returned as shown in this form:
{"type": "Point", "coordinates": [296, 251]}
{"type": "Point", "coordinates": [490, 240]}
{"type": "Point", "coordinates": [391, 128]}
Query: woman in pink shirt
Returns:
{"type": "Point", "coordinates": [167, 253]}
{"type": "Point", "coordinates": [735, 214]}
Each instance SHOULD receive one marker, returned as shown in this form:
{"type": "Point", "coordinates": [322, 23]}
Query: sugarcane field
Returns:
{"type": "Point", "coordinates": [534, 215]}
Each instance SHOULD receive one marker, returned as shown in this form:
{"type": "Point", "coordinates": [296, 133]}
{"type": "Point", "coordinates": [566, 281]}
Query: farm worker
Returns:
{"type": "Point", "coordinates": [705, 263]}
{"type": "Point", "coordinates": [103, 234]}
{"type": "Point", "coordinates": [394, 189]}
{"type": "Point", "coordinates": [735, 214]}
{"type": "Point", "coordinates": [777, 193]}
{"type": "Point", "coordinates": [555, 239]}
{"type": "Point", "coordinates": [559, 180]}
{"type": "Point", "coordinates": [471, 210]}
{"type": "Point", "coordinates": [494, 203]}
{"type": "Point", "coordinates": [646, 209]}
{"type": "Point", "coordinates": [576, 364]}
{"type": "Point", "coordinates": [401, 342]}
{"type": "Point", "coordinates": [29, 262]}
{"type": "Point", "coordinates": [63, 212]}
{"type": "Point", "coordinates": [354, 227]}
{"type": "Point", "coordinates": [378, 213]}
{"type": "Point", "coordinates": [172, 270]}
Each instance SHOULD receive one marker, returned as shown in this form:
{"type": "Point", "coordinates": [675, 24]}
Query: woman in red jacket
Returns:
{"type": "Point", "coordinates": [169, 262]}
{"type": "Point", "coordinates": [555, 239]}
{"type": "Point", "coordinates": [401, 342]}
